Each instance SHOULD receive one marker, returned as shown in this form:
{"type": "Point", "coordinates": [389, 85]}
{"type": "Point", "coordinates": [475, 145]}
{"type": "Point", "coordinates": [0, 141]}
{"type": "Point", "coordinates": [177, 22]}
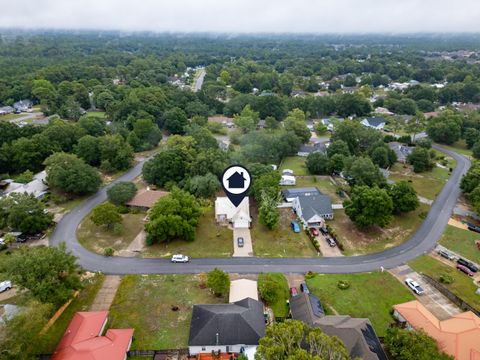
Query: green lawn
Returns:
{"type": "Point", "coordinates": [370, 295]}
{"type": "Point", "coordinates": [97, 238]}
{"type": "Point", "coordinates": [460, 146]}
{"type": "Point", "coordinates": [427, 184]}
{"type": "Point", "coordinates": [295, 163]}
{"type": "Point", "coordinates": [323, 184]}
{"type": "Point", "coordinates": [375, 239]}
{"type": "Point", "coordinates": [462, 242]}
{"type": "Point", "coordinates": [48, 342]}
{"type": "Point", "coordinates": [211, 240]}
{"type": "Point", "coordinates": [145, 304]}
{"type": "Point", "coordinates": [279, 307]}
{"type": "Point", "coordinates": [463, 286]}
{"type": "Point", "coordinates": [100, 114]}
{"type": "Point", "coordinates": [282, 241]}
{"type": "Point", "coordinates": [9, 117]}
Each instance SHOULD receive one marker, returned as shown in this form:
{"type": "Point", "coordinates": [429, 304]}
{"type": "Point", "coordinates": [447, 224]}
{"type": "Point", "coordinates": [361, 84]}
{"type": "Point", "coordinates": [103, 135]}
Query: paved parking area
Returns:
{"type": "Point", "coordinates": [247, 249]}
{"type": "Point", "coordinates": [327, 250]}
{"type": "Point", "coordinates": [432, 299]}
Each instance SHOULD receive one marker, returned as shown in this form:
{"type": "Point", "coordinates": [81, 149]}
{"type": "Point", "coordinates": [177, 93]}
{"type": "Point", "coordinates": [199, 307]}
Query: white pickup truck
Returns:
{"type": "Point", "coordinates": [5, 285]}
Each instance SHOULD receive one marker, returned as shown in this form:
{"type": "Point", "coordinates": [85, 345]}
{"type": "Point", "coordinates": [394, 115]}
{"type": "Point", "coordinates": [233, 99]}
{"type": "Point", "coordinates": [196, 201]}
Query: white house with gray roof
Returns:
{"type": "Point", "coordinates": [377, 123]}
{"type": "Point", "coordinates": [310, 205]}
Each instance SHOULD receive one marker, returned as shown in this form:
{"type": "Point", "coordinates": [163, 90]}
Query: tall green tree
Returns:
{"type": "Point", "coordinates": [362, 171]}
{"type": "Point", "coordinates": [106, 214]}
{"type": "Point", "coordinates": [296, 122]}
{"type": "Point", "coordinates": [247, 120]}
{"type": "Point", "coordinates": [268, 211]}
{"type": "Point", "coordinates": [369, 206]}
{"type": "Point", "coordinates": [121, 192]}
{"type": "Point", "coordinates": [404, 197]}
{"type": "Point", "coordinates": [218, 281]}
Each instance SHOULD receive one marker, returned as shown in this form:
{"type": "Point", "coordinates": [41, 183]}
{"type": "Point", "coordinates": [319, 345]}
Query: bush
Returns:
{"type": "Point", "coordinates": [218, 281]}
{"type": "Point", "coordinates": [269, 291]}
{"type": "Point", "coordinates": [343, 284]}
{"type": "Point", "coordinates": [108, 251]}
{"type": "Point", "coordinates": [446, 279]}
{"type": "Point", "coordinates": [118, 229]}
{"type": "Point", "coordinates": [309, 275]}
{"type": "Point", "coordinates": [121, 192]}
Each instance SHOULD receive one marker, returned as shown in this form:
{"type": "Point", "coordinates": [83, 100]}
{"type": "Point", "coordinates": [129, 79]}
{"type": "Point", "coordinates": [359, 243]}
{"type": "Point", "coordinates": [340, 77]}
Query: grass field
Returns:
{"type": "Point", "coordinates": [282, 241]}
{"type": "Point", "coordinates": [97, 238]}
{"type": "Point", "coordinates": [295, 163]}
{"type": "Point", "coordinates": [460, 147]}
{"type": "Point", "coordinates": [375, 239]}
{"type": "Point", "coordinates": [48, 342]}
{"type": "Point", "coordinates": [462, 286]}
{"type": "Point", "coordinates": [211, 240]}
{"type": "Point", "coordinates": [370, 295]}
{"type": "Point", "coordinates": [9, 117]}
{"type": "Point", "coordinates": [462, 242]}
{"type": "Point", "coordinates": [279, 307]}
{"type": "Point", "coordinates": [145, 304]}
{"type": "Point", "coordinates": [427, 184]}
{"type": "Point", "coordinates": [100, 114]}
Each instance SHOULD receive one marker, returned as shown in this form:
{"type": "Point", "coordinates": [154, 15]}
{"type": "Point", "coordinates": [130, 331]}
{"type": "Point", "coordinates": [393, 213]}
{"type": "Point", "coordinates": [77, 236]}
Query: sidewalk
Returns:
{"type": "Point", "coordinates": [106, 294]}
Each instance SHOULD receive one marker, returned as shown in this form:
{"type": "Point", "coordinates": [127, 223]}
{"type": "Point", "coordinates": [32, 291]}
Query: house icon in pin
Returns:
{"type": "Point", "coordinates": [236, 181]}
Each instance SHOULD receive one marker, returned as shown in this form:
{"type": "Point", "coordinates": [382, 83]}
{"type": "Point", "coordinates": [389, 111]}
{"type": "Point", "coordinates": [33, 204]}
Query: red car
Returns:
{"type": "Point", "coordinates": [293, 291]}
{"type": "Point", "coordinates": [465, 270]}
{"type": "Point", "coordinates": [314, 231]}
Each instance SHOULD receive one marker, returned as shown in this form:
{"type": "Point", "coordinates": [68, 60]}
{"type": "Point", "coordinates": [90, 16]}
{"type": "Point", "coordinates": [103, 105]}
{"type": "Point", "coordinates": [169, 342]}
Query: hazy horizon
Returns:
{"type": "Point", "coordinates": [247, 17]}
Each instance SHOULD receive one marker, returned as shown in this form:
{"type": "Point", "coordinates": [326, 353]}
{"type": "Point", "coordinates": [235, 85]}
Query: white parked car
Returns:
{"type": "Point", "coordinates": [179, 258]}
{"type": "Point", "coordinates": [5, 285]}
{"type": "Point", "coordinates": [417, 289]}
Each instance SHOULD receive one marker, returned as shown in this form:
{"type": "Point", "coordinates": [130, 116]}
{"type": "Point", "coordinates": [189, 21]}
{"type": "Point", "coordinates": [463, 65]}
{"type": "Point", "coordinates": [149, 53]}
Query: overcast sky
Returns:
{"type": "Point", "coordinates": [315, 16]}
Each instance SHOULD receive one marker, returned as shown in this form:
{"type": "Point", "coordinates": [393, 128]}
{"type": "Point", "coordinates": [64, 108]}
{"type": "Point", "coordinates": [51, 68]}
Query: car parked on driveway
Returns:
{"type": "Point", "coordinates": [240, 242]}
{"type": "Point", "coordinates": [314, 231]}
{"type": "Point", "coordinates": [467, 264]}
{"type": "Point", "coordinates": [446, 254]}
{"type": "Point", "coordinates": [295, 227]}
{"type": "Point", "coordinates": [330, 241]}
{"type": "Point", "coordinates": [465, 270]}
{"type": "Point", "coordinates": [5, 285]}
{"type": "Point", "coordinates": [179, 258]}
{"type": "Point", "coordinates": [412, 284]}
{"type": "Point", "coordinates": [304, 288]}
{"type": "Point", "coordinates": [293, 291]}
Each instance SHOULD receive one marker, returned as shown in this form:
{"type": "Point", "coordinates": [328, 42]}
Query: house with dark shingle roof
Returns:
{"type": "Point", "coordinates": [305, 150]}
{"type": "Point", "coordinates": [377, 123]}
{"type": "Point", "coordinates": [356, 333]}
{"type": "Point", "coordinates": [226, 328]}
{"type": "Point", "coordinates": [310, 205]}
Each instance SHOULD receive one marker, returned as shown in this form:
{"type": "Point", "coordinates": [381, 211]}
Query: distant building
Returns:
{"type": "Point", "coordinates": [458, 336]}
{"type": "Point", "coordinates": [356, 333]}
{"type": "Point", "coordinates": [383, 111]}
{"type": "Point", "coordinates": [227, 213]}
{"type": "Point", "coordinates": [144, 199]}
{"type": "Point", "coordinates": [23, 105]}
{"type": "Point", "coordinates": [226, 328]}
{"type": "Point", "coordinates": [4, 110]}
{"type": "Point", "coordinates": [83, 339]}
{"type": "Point", "coordinates": [306, 150]}
{"type": "Point", "coordinates": [402, 151]}
{"type": "Point", "coordinates": [377, 123]}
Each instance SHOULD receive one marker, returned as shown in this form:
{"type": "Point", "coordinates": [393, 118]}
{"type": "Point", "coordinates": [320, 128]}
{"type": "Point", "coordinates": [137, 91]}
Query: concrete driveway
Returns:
{"type": "Point", "coordinates": [327, 250]}
{"type": "Point", "coordinates": [247, 249]}
{"type": "Point", "coordinates": [432, 299]}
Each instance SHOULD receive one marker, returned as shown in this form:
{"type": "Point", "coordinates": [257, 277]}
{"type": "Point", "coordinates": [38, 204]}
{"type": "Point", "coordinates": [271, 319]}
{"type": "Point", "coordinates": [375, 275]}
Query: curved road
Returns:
{"type": "Point", "coordinates": [423, 241]}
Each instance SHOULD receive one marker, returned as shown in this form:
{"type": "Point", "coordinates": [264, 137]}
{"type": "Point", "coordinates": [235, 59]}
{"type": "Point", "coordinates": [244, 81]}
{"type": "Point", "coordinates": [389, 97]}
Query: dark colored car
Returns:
{"type": "Point", "coordinates": [467, 264]}
{"type": "Point", "coordinates": [22, 238]}
{"type": "Point", "coordinates": [293, 291]}
{"type": "Point", "coordinates": [324, 230]}
{"type": "Point", "coordinates": [474, 228]}
{"type": "Point", "coordinates": [314, 231]}
{"type": "Point", "coordinates": [304, 288]}
{"type": "Point", "coordinates": [240, 242]}
{"type": "Point", "coordinates": [465, 270]}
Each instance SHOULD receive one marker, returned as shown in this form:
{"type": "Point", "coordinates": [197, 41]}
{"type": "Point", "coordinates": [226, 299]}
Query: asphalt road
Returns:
{"type": "Point", "coordinates": [421, 242]}
{"type": "Point", "coordinates": [197, 86]}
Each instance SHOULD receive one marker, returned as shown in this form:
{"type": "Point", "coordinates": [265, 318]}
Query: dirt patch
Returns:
{"type": "Point", "coordinates": [457, 224]}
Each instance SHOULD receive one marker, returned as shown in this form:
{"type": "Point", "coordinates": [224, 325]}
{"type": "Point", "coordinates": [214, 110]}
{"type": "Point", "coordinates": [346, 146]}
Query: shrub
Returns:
{"type": "Point", "coordinates": [310, 275]}
{"type": "Point", "coordinates": [446, 279]}
{"type": "Point", "coordinates": [118, 229]}
{"type": "Point", "coordinates": [108, 251]}
{"type": "Point", "coordinates": [343, 284]}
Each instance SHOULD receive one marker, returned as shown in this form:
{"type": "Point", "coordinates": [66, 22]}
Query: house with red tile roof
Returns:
{"type": "Point", "coordinates": [458, 336]}
{"type": "Point", "coordinates": [83, 339]}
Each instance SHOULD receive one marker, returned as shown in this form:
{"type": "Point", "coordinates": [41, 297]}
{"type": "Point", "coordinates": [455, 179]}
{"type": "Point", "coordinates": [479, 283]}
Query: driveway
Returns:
{"type": "Point", "coordinates": [421, 242]}
{"type": "Point", "coordinates": [432, 299]}
{"type": "Point", "coordinates": [247, 249]}
{"type": "Point", "coordinates": [327, 250]}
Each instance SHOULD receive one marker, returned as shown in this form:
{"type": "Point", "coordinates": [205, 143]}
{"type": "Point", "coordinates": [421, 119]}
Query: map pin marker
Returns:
{"type": "Point", "coordinates": [236, 181]}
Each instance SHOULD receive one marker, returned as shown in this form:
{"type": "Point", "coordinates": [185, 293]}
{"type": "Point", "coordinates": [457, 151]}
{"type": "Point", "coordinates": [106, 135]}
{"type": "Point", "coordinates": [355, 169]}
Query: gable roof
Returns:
{"type": "Point", "coordinates": [458, 336]}
{"type": "Point", "coordinates": [146, 198]}
{"type": "Point", "coordinates": [82, 340]}
{"type": "Point", "coordinates": [227, 324]}
{"type": "Point", "coordinates": [306, 307]}
{"type": "Point", "coordinates": [375, 121]}
{"type": "Point", "coordinates": [295, 192]}
{"type": "Point", "coordinates": [318, 204]}
{"type": "Point", "coordinates": [317, 147]}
